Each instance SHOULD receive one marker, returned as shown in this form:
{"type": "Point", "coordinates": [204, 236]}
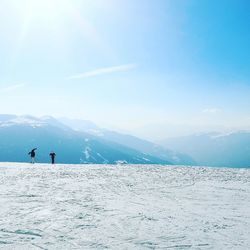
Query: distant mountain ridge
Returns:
{"type": "Point", "coordinates": [214, 149]}
{"type": "Point", "coordinates": [18, 134]}
{"type": "Point", "coordinates": [130, 141]}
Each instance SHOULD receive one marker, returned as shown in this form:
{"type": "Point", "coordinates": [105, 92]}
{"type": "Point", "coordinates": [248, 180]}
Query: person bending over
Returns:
{"type": "Point", "coordinates": [32, 154]}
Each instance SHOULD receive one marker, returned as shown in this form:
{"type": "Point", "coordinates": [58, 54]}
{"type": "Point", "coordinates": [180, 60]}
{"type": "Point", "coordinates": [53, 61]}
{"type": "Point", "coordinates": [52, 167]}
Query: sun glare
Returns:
{"type": "Point", "coordinates": [54, 18]}
{"type": "Point", "coordinates": [46, 10]}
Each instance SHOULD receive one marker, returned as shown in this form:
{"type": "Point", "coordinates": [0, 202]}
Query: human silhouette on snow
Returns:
{"type": "Point", "coordinates": [32, 154]}
{"type": "Point", "coordinates": [52, 155]}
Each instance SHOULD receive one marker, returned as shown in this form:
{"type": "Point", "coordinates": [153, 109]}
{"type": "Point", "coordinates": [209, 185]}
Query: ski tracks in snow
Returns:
{"type": "Point", "coordinates": [123, 207]}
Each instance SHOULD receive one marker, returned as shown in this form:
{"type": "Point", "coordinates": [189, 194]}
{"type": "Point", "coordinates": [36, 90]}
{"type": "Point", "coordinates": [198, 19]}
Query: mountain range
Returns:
{"type": "Point", "coordinates": [214, 149]}
{"type": "Point", "coordinates": [77, 141]}
{"type": "Point", "coordinates": [81, 141]}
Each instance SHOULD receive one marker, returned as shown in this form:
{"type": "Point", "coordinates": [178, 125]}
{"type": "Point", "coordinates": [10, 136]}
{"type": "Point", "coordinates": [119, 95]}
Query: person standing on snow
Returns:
{"type": "Point", "coordinates": [32, 154]}
{"type": "Point", "coordinates": [52, 156]}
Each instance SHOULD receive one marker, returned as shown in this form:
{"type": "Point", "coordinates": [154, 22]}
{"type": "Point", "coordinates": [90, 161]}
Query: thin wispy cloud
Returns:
{"type": "Point", "coordinates": [211, 110]}
{"type": "Point", "coordinates": [104, 71]}
{"type": "Point", "coordinates": [13, 87]}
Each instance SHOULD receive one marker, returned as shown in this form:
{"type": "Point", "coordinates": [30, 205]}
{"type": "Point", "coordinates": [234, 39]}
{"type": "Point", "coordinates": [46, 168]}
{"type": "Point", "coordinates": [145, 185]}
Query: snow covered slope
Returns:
{"type": "Point", "coordinates": [123, 207]}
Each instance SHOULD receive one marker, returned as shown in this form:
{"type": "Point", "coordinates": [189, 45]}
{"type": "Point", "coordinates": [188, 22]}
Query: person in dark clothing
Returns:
{"type": "Point", "coordinates": [32, 154]}
{"type": "Point", "coordinates": [52, 156]}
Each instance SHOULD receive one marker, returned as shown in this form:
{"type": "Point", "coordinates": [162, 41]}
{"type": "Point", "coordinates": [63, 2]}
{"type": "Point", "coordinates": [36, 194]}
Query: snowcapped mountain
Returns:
{"type": "Point", "coordinates": [130, 141]}
{"type": "Point", "coordinates": [18, 134]}
{"type": "Point", "coordinates": [215, 149]}
{"type": "Point", "coordinates": [11, 120]}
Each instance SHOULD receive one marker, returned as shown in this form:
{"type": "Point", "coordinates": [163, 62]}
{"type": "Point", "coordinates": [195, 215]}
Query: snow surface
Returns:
{"type": "Point", "coordinates": [123, 207]}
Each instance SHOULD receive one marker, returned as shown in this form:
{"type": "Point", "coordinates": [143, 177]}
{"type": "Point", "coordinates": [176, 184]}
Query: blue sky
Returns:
{"type": "Point", "coordinates": [130, 64]}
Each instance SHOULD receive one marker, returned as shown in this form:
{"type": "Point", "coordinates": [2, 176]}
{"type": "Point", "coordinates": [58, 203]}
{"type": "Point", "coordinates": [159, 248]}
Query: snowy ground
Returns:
{"type": "Point", "coordinates": [123, 207]}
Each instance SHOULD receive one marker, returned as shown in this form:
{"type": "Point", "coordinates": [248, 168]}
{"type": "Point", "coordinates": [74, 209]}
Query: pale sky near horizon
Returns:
{"type": "Point", "coordinates": [127, 63]}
